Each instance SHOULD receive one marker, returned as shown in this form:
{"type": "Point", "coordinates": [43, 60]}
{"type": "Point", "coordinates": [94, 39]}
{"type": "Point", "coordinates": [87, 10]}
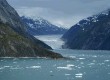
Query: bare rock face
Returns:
{"type": "Point", "coordinates": [14, 39]}
{"type": "Point", "coordinates": [10, 16]}
{"type": "Point", "coordinates": [92, 33]}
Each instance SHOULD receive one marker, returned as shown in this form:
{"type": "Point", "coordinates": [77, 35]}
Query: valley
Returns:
{"type": "Point", "coordinates": [35, 43]}
{"type": "Point", "coordinates": [84, 65]}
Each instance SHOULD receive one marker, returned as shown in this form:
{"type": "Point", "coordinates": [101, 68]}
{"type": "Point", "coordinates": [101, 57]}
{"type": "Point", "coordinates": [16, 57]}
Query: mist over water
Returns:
{"type": "Point", "coordinates": [53, 41]}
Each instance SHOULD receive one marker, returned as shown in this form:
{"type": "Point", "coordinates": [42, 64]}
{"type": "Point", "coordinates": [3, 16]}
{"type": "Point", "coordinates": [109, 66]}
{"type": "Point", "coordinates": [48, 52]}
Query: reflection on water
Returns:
{"type": "Point", "coordinates": [86, 65]}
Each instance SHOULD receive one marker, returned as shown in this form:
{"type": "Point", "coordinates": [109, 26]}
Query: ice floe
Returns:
{"type": "Point", "coordinates": [68, 67]}
{"type": "Point", "coordinates": [81, 58]}
{"type": "Point", "coordinates": [67, 74]}
{"type": "Point", "coordinates": [79, 75]}
{"type": "Point", "coordinates": [34, 67]}
{"type": "Point", "coordinates": [106, 60]}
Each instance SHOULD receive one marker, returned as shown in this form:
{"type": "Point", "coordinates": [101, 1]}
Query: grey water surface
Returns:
{"type": "Point", "coordinates": [83, 65]}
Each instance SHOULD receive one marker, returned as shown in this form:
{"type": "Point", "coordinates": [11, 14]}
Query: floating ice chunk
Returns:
{"type": "Point", "coordinates": [81, 58]}
{"type": "Point", "coordinates": [106, 60]}
{"type": "Point", "coordinates": [51, 71]}
{"type": "Point", "coordinates": [79, 67]}
{"type": "Point", "coordinates": [67, 74]}
{"type": "Point", "coordinates": [68, 67]}
{"type": "Point", "coordinates": [101, 64]}
{"type": "Point", "coordinates": [79, 74]}
{"type": "Point", "coordinates": [34, 67]}
{"type": "Point", "coordinates": [72, 56]}
{"type": "Point", "coordinates": [6, 66]}
{"type": "Point", "coordinates": [94, 56]}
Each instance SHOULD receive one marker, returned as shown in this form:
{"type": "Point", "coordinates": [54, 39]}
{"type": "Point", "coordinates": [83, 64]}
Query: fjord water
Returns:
{"type": "Point", "coordinates": [83, 65]}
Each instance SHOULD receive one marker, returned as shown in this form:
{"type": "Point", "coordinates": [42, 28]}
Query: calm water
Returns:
{"type": "Point", "coordinates": [84, 65]}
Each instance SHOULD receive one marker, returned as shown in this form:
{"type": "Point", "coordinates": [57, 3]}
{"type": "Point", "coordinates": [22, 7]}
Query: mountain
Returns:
{"type": "Point", "coordinates": [41, 26]}
{"type": "Point", "coordinates": [9, 15]}
{"type": "Point", "coordinates": [14, 39]}
{"type": "Point", "coordinates": [92, 33]}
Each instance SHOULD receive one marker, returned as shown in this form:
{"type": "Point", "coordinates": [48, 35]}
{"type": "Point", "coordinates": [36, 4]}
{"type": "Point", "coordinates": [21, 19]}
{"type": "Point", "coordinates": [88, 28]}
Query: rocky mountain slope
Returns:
{"type": "Point", "coordinates": [40, 26]}
{"type": "Point", "coordinates": [92, 33]}
{"type": "Point", "coordinates": [9, 15]}
{"type": "Point", "coordinates": [14, 39]}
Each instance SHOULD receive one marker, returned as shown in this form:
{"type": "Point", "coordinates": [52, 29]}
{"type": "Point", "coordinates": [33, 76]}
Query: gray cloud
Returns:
{"type": "Point", "coordinates": [60, 12]}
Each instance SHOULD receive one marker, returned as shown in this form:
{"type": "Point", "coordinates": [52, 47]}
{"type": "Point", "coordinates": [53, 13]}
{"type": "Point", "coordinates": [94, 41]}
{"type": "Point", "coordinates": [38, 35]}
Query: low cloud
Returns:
{"type": "Point", "coordinates": [60, 12]}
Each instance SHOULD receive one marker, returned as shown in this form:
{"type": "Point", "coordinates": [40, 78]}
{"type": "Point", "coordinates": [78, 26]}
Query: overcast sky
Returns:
{"type": "Point", "coordinates": [60, 12]}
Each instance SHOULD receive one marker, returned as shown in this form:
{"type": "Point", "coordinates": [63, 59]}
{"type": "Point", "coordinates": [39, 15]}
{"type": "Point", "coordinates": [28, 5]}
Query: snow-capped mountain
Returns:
{"type": "Point", "coordinates": [90, 33]}
{"type": "Point", "coordinates": [40, 26]}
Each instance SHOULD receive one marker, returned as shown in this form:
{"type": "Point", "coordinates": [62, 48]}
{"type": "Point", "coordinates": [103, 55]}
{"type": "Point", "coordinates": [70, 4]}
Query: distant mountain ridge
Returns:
{"type": "Point", "coordinates": [92, 33]}
{"type": "Point", "coordinates": [40, 26]}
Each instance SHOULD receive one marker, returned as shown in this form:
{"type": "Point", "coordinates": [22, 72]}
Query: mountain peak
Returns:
{"type": "Point", "coordinates": [40, 26]}
{"type": "Point", "coordinates": [90, 33]}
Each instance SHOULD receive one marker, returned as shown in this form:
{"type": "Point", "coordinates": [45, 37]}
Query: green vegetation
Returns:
{"type": "Point", "coordinates": [14, 45]}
